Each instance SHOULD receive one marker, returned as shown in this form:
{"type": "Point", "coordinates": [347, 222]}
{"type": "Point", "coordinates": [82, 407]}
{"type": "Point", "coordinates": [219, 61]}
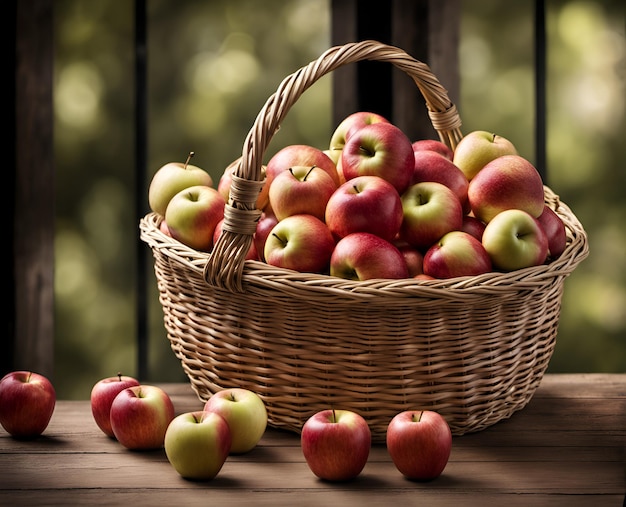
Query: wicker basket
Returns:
{"type": "Point", "coordinates": [473, 348]}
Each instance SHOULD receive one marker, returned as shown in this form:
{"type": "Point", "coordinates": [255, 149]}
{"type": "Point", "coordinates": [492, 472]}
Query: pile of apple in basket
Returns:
{"type": "Point", "coordinates": [376, 204]}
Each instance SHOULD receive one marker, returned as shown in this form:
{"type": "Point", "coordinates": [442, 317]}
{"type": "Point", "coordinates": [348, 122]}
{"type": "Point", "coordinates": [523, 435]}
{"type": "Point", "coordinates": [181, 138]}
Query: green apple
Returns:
{"type": "Point", "coordinates": [193, 214]}
{"type": "Point", "coordinates": [478, 148]}
{"type": "Point", "coordinates": [197, 444]}
{"type": "Point", "coordinates": [515, 240]}
{"type": "Point", "coordinates": [171, 179]}
{"type": "Point", "coordinates": [245, 413]}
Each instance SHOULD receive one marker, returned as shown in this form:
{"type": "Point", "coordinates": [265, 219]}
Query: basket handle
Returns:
{"type": "Point", "coordinates": [224, 267]}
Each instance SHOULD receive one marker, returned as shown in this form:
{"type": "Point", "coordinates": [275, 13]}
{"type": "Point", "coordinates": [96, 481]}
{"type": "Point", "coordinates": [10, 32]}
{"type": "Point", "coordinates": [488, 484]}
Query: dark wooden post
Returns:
{"type": "Point", "coordinates": [29, 340]}
{"type": "Point", "coordinates": [428, 30]}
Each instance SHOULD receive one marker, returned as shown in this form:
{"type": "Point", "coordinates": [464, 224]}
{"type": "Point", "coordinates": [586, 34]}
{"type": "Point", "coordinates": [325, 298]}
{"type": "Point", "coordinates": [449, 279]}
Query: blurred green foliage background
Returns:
{"type": "Point", "coordinates": [212, 65]}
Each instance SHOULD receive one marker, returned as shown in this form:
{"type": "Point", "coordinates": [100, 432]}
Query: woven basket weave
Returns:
{"type": "Point", "coordinates": [473, 348]}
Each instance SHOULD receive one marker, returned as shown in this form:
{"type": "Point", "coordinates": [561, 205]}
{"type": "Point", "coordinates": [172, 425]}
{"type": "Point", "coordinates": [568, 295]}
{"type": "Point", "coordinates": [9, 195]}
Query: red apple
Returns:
{"type": "Point", "coordinates": [193, 214]}
{"type": "Point", "coordinates": [140, 416]}
{"type": "Point", "coordinates": [102, 395]}
{"type": "Point", "coordinates": [225, 182]}
{"type": "Point", "coordinates": [477, 149]}
{"type": "Point", "coordinates": [300, 242]}
{"type": "Point", "coordinates": [27, 401]}
{"type": "Point", "coordinates": [365, 204]}
{"type": "Point", "coordinates": [301, 190]}
{"type": "Point", "coordinates": [170, 179]}
{"type": "Point", "coordinates": [164, 228]}
{"type": "Point", "coordinates": [419, 443]}
{"type": "Point", "coordinates": [507, 182]}
{"type": "Point", "coordinates": [430, 210]}
{"type": "Point", "coordinates": [363, 256]}
{"type": "Point", "coordinates": [413, 257]}
{"type": "Point", "coordinates": [264, 226]}
{"type": "Point", "coordinates": [473, 226]}
{"type": "Point", "coordinates": [336, 444]}
{"type": "Point", "coordinates": [252, 254]}
{"type": "Point", "coordinates": [432, 166]}
{"type": "Point", "coordinates": [299, 154]}
{"type": "Point", "coordinates": [457, 253]}
{"type": "Point", "coordinates": [554, 228]}
{"type": "Point", "coordinates": [351, 124]}
{"type": "Point", "coordinates": [380, 149]}
{"type": "Point", "coordinates": [515, 240]}
{"type": "Point", "coordinates": [434, 145]}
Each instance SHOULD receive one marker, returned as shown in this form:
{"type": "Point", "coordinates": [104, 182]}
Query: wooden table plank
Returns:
{"type": "Point", "coordinates": [567, 447]}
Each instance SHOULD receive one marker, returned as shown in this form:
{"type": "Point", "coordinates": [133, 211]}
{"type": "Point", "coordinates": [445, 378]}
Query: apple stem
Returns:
{"type": "Point", "coordinates": [334, 419]}
{"type": "Point", "coordinates": [309, 172]}
{"type": "Point", "coordinates": [417, 416]}
{"type": "Point", "coordinates": [189, 157]}
{"type": "Point", "coordinates": [119, 375]}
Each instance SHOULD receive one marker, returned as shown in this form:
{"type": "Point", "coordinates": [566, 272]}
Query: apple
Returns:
{"type": "Point", "coordinates": [225, 182]}
{"type": "Point", "coordinates": [301, 190]}
{"type": "Point", "coordinates": [554, 228]}
{"type": "Point", "coordinates": [299, 154]}
{"type": "Point", "coordinates": [348, 126]}
{"type": "Point", "coordinates": [477, 149]}
{"type": "Point", "coordinates": [457, 253]}
{"type": "Point", "coordinates": [473, 226]}
{"type": "Point", "coordinates": [245, 413]}
{"type": "Point", "coordinates": [164, 228]}
{"type": "Point", "coordinates": [300, 242]}
{"type": "Point", "coordinates": [365, 204]}
{"type": "Point", "coordinates": [27, 401]}
{"type": "Point", "coordinates": [140, 416]}
{"type": "Point", "coordinates": [413, 257]}
{"type": "Point", "coordinates": [193, 214]}
{"type": "Point", "coordinates": [170, 179]}
{"type": "Point", "coordinates": [364, 256]}
{"type": "Point", "coordinates": [380, 149]}
{"type": "Point", "coordinates": [507, 182]}
{"type": "Point", "coordinates": [419, 443]}
{"type": "Point", "coordinates": [515, 239]}
{"type": "Point", "coordinates": [430, 210]}
{"type": "Point", "coordinates": [336, 444]}
{"type": "Point", "coordinates": [432, 166]}
{"type": "Point", "coordinates": [264, 226]}
{"type": "Point", "coordinates": [102, 395]}
{"type": "Point", "coordinates": [434, 145]}
{"type": "Point", "coordinates": [197, 444]}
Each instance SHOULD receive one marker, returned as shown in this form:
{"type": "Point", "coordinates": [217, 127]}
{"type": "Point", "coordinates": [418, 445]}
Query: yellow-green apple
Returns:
{"type": "Point", "coordinates": [514, 240]}
{"type": "Point", "coordinates": [299, 154]}
{"type": "Point", "coordinates": [457, 253]}
{"type": "Point", "coordinates": [507, 182]}
{"type": "Point", "coordinates": [197, 444]}
{"type": "Point", "coordinates": [193, 214]}
{"type": "Point", "coordinates": [225, 182]}
{"type": "Point", "coordinates": [27, 401]}
{"type": "Point", "coordinates": [252, 254]}
{"type": "Point", "coordinates": [380, 149]}
{"type": "Point", "coordinates": [365, 204]}
{"type": "Point", "coordinates": [414, 258]}
{"type": "Point", "coordinates": [434, 145]}
{"type": "Point", "coordinates": [300, 242]}
{"type": "Point", "coordinates": [554, 227]}
{"type": "Point", "coordinates": [473, 226]}
{"type": "Point", "coordinates": [430, 210]}
{"type": "Point", "coordinates": [336, 444]}
{"type": "Point", "coordinates": [264, 226]}
{"type": "Point", "coordinates": [140, 416]}
{"type": "Point", "coordinates": [419, 443]}
{"type": "Point", "coordinates": [478, 148]}
{"type": "Point", "coordinates": [432, 166]}
{"type": "Point", "coordinates": [170, 179]}
{"type": "Point", "coordinates": [102, 395]}
{"type": "Point", "coordinates": [348, 126]}
{"type": "Point", "coordinates": [245, 413]}
{"type": "Point", "coordinates": [364, 256]}
{"type": "Point", "coordinates": [301, 189]}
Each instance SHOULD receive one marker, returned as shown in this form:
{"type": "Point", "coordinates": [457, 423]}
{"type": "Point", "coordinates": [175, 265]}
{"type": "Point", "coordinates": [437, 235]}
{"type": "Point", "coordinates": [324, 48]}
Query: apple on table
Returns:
{"type": "Point", "coordinates": [197, 444]}
{"type": "Point", "coordinates": [102, 395]}
{"type": "Point", "coordinates": [419, 443]}
{"type": "Point", "coordinates": [170, 179]}
{"type": "Point", "coordinates": [27, 401]}
{"type": "Point", "coordinates": [336, 444]}
{"type": "Point", "coordinates": [245, 413]}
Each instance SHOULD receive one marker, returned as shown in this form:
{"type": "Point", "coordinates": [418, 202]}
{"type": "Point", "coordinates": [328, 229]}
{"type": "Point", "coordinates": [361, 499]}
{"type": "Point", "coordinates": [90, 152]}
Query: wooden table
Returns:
{"type": "Point", "coordinates": [567, 447]}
